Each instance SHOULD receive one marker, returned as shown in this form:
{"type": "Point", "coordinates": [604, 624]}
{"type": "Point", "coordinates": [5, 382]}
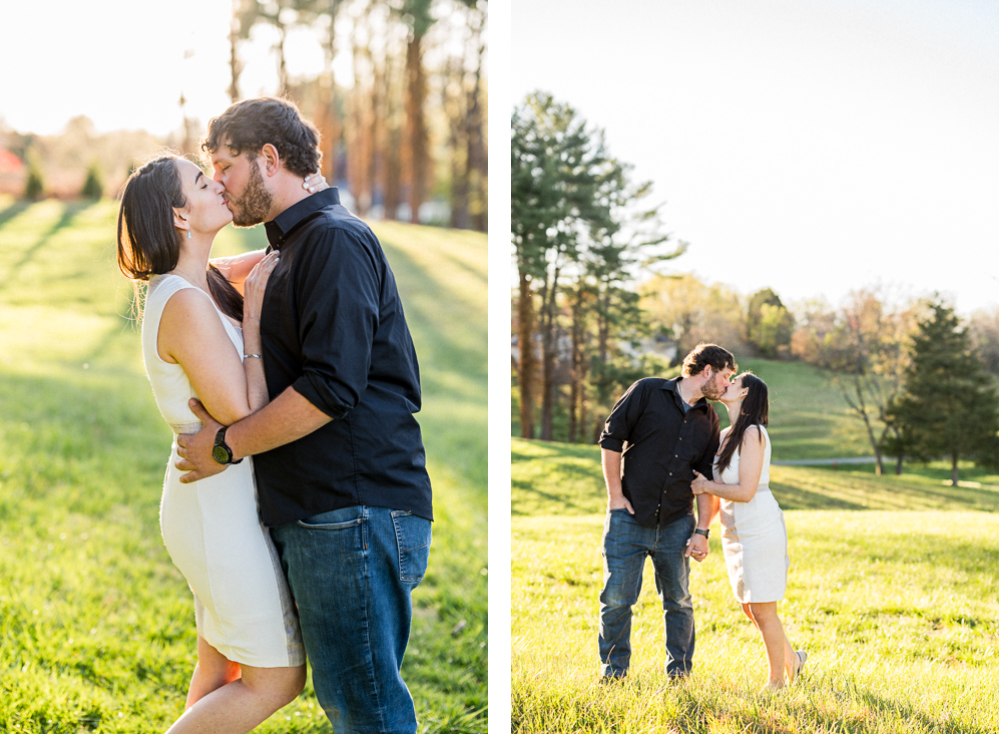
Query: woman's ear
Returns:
{"type": "Point", "coordinates": [180, 220]}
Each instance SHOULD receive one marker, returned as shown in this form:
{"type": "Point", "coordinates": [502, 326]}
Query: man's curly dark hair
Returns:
{"type": "Point", "coordinates": [707, 355]}
{"type": "Point", "coordinates": [249, 125]}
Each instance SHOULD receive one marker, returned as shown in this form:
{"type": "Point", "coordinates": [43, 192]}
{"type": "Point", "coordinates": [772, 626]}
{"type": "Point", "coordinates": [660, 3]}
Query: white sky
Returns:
{"type": "Point", "coordinates": [811, 146]}
{"type": "Point", "coordinates": [122, 62]}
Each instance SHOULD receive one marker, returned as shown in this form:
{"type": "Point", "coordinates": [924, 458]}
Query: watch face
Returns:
{"type": "Point", "coordinates": [220, 455]}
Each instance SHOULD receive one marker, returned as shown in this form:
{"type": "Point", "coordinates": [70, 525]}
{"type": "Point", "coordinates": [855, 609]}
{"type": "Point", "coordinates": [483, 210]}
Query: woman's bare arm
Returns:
{"type": "Point", "coordinates": [191, 334]}
{"type": "Point", "coordinates": [253, 366]}
{"type": "Point", "coordinates": [751, 465]}
{"type": "Point", "coordinates": [235, 269]}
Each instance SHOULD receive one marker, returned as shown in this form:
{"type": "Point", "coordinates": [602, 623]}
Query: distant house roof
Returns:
{"type": "Point", "coordinates": [10, 163]}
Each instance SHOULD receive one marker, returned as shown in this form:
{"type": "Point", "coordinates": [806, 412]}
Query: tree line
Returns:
{"type": "Point", "coordinates": [581, 229]}
{"type": "Point", "coordinates": [591, 313]}
{"type": "Point", "coordinates": [408, 129]}
{"type": "Point", "coordinates": [400, 133]}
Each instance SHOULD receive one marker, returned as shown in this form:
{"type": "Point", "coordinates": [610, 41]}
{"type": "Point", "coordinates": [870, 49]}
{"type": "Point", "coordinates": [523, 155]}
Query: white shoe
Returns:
{"type": "Point", "coordinates": [801, 656]}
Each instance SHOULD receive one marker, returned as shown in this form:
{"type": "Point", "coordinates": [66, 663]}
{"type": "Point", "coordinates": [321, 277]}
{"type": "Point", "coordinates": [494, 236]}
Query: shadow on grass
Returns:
{"type": "Point", "coordinates": [792, 497]}
{"type": "Point", "coordinates": [82, 445]}
{"type": "Point", "coordinates": [567, 506]}
{"type": "Point", "coordinates": [443, 328]}
{"type": "Point", "coordinates": [831, 489]}
{"type": "Point", "coordinates": [70, 211]}
{"type": "Point", "coordinates": [477, 273]}
{"type": "Point", "coordinates": [11, 211]}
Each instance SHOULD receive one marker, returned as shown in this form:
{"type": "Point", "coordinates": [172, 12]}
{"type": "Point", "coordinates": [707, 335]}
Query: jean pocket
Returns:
{"type": "Point", "coordinates": [413, 541]}
{"type": "Point", "coordinates": [334, 520]}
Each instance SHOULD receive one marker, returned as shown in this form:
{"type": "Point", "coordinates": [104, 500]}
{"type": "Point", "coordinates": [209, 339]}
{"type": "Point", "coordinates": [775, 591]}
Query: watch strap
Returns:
{"type": "Point", "coordinates": [221, 451]}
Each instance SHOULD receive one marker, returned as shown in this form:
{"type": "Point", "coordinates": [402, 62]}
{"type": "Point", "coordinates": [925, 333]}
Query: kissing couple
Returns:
{"type": "Point", "coordinates": [660, 448]}
{"type": "Point", "coordinates": [296, 502]}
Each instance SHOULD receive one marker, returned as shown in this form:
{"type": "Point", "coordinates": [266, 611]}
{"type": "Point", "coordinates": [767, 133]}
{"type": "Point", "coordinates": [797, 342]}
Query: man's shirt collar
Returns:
{"type": "Point", "coordinates": [282, 225]}
{"type": "Point", "coordinates": [671, 386]}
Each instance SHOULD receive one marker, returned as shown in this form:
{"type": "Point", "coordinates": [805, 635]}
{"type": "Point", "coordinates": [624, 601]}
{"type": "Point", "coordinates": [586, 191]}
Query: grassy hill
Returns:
{"type": "Point", "coordinates": [98, 626]}
{"type": "Point", "coordinates": [892, 591]}
{"type": "Point", "coordinates": [809, 418]}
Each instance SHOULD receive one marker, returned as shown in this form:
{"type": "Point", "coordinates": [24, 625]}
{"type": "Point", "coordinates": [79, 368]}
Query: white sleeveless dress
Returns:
{"type": "Point", "coordinates": [211, 527]}
{"type": "Point", "coordinates": [754, 540]}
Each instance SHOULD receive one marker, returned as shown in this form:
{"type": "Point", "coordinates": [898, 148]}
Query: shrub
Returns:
{"type": "Point", "coordinates": [34, 187]}
{"type": "Point", "coordinates": [93, 187]}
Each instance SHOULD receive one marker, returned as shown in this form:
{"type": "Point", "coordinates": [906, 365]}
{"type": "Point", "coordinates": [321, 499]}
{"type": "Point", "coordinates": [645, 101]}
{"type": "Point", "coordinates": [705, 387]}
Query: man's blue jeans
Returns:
{"type": "Point", "coordinates": [351, 572]}
{"type": "Point", "coordinates": [626, 545]}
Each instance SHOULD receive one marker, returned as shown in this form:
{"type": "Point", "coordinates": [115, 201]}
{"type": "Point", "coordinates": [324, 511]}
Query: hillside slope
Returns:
{"type": "Point", "coordinates": [97, 622]}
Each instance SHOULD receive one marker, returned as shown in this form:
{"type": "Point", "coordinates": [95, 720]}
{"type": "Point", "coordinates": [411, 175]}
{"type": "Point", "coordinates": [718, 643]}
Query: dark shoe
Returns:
{"type": "Point", "coordinates": [611, 678]}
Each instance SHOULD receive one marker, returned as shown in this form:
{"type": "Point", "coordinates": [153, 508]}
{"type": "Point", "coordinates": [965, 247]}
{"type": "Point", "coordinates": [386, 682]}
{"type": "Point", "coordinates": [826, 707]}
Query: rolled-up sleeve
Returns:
{"type": "Point", "coordinates": [618, 426]}
{"type": "Point", "coordinates": [338, 287]}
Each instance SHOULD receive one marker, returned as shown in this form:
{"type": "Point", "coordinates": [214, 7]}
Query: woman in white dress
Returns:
{"type": "Point", "coordinates": [754, 540]}
{"type": "Point", "coordinates": [201, 338]}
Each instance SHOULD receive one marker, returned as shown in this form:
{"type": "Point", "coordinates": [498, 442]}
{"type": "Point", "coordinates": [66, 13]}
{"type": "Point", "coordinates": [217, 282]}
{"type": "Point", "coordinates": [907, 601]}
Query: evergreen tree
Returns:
{"type": "Point", "coordinates": [557, 167]}
{"type": "Point", "coordinates": [34, 187]}
{"type": "Point", "coordinates": [769, 326]}
{"type": "Point", "coordinates": [93, 187]}
{"type": "Point", "coordinates": [948, 406]}
{"type": "Point", "coordinates": [580, 230]}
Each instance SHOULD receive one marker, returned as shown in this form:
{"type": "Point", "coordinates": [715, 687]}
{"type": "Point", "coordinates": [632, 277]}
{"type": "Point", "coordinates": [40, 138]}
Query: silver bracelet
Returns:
{"type": "Point", "coordinates": [248, 356]}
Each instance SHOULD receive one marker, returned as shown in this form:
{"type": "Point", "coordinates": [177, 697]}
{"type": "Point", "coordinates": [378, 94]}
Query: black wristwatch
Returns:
{"type": "Point", "coordinates": [697, 531]}
{"type": "Point", "coordinates": [221, 452]}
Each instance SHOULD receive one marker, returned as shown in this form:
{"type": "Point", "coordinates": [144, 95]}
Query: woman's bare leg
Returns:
{"type": "Point", "coordinates": [780, 657]}
{"type": "Point", "coordinates": [211, 673]}
{"type": "Point", "coordinates": [241, 704]}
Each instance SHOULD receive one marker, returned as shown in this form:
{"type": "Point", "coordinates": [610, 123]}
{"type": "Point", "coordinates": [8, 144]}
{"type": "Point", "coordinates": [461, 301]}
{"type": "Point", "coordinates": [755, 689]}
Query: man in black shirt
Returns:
{"type": "Point", "coordinates": [658, 433]}
{"type": "Point", "coordinates": [338, 455]}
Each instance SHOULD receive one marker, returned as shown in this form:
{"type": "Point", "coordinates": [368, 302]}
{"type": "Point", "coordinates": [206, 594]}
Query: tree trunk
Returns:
{"type": "Point", "coordinates": [899, 465]}
{"type": "Point", "coordinates": [356, 134]}
{"type": "Point", "coordinates": [235, 67]}
{"type": "Point", "coordinates": [475, 161]}
{"type": "Point", "coordinates": [954, 470]}
{"type": "Point", "coordinates": [280, 48]}
{"type": "Point", "coordinates": [576, 377]}
{"type": "Point", "coordinates": [549, 349]}
{"type": "Point", "coordinates": [526, 366]}
{"type": "Point", "coordinates": [862, 410]}
{"type": "Point", "coordinates": [394, 143]}
{"type": "Point", "coordinates": [458, 124]}
{"type": "Point", "coordinates": [417, 128]}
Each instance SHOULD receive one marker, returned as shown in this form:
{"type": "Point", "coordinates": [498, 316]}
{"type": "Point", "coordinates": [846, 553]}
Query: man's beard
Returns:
{"type": "Point", "coordinates": [711, 392]}
{"type": "Point", "coordinates": [255, 204]}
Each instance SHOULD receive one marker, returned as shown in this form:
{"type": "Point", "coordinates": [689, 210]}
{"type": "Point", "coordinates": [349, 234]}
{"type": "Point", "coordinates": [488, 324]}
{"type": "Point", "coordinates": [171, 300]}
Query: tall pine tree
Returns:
{"type": "Point", "coordinates": [948, 407]}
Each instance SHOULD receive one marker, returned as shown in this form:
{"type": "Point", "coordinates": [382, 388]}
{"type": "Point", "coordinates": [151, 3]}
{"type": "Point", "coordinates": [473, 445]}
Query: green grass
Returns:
{"type": "Point", "coordinates": [97, 625]}
{"type": "Point", "coordinates": [892, 590]}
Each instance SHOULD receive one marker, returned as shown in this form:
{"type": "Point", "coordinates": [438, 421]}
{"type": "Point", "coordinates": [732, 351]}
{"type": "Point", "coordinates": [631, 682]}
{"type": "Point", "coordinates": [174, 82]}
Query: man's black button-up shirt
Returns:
{"type": "Point", "coordinates": [661, 444]}
{"type": "Point", "coordinates": [332, 328]}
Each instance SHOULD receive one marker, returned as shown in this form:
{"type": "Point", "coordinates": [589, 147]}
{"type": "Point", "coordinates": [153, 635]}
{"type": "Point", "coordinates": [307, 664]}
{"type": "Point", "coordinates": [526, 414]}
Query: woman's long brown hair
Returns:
{"type": "Point", "coordinates": [148, 242]}
{"type": "Point", "coordinates": [753, 412]}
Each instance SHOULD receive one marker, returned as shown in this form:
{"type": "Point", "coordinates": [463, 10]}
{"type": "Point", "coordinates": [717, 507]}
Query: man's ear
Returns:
{"type": "Point", "coordinates": [272, 160]}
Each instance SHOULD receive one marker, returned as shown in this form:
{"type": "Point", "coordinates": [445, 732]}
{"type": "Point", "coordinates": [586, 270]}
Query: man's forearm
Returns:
{"type": "Point", "coordinates": [286, 418]}
{"type": "Point", "coordinates": [611, 464]}
{"type": "Point", "coordinates": [707, 507]}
